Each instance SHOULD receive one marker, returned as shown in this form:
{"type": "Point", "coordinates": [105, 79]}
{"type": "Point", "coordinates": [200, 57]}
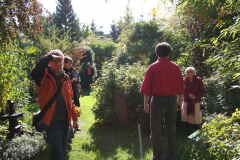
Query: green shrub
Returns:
{"type": "Point", "coordinates": [127, 78]}
{"type": "Point", "coordinates": [26, 120]}
{"type": "Point", "coordinates": [219, 140]}
{"type": "Point", "coordinates": [33, 91]}
{"type": "Point", "coordinates": [103, 90]}
{"type": "Point", "coordinates": [103, 51]}
{"type": "Point", "coordinates": [3, 128]}
{"type": "Point", "coordinates": [220, 97]}
{"type": "Point", "coordinates": [23, 148]}
{"type": "Point", "coordinates": [13, 77]}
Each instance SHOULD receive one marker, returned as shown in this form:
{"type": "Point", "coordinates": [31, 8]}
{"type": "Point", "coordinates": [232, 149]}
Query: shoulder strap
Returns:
{"type": "Point", "coordinates": [48, 105]}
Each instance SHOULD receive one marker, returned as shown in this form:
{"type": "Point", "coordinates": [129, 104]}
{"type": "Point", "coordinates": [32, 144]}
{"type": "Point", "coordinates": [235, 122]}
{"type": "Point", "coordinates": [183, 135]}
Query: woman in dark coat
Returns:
{"type": "Point", "coordinates": [75, 79]}
{"type": "Point", "coordinates": [194, 90]}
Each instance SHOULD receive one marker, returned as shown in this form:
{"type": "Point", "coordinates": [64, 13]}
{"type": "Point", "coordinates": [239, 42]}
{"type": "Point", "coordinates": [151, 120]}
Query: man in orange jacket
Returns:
{"type": "Point", "coordinates": [48, 74]}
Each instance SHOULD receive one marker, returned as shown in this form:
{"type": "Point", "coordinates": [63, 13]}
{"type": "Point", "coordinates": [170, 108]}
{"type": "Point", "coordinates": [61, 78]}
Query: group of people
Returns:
{"type": "Point", "coordinates": [52, 70]}
{"type": "Point", "coordinates": [170, 93]}
{"type": "Point", "coordinates": [163, 81]}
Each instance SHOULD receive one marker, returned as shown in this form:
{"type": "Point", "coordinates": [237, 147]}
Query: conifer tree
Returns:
{"type": "Point", "coordinates": [65, 19]}
{"type": "Point", "coordinates": [127, 19]}
{"type": "Point", "coordinates": [114, 32]}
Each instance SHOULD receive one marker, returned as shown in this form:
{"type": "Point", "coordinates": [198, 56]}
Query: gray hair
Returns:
{"type": "Point", "coordinates": [192, 69]}
{"type": "Point", "coordinates": [56, 52]}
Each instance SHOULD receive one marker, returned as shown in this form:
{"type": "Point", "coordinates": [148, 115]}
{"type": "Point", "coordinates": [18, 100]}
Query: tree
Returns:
{"type": "Point", "coordinates": [103, 52]}
{"type": "Point", "coordinates": [93, 26]}
{"type": "Point", "coordinates": [49, 23]}
{"type": "Point", "coordinates": [52, 40]}
{"type": "Point", "coordinates": [115, 32]}
{"type": "Point", "coordinates": [65, 19]}
{"type": "Point", "coordinates": [85, 31]}
{"type": "Point", "coordinates": [19, 16]}
{"type": "Point", "coordinates": [214, 26]}
{"type": "Point", "coordinates": [128, 17]}
{"type": "Point", "coordinates": [138, 42]}
{"type": "Point", "coordinates": [77, 54]}
{"type": "Point", "coordinates": [127, 20]}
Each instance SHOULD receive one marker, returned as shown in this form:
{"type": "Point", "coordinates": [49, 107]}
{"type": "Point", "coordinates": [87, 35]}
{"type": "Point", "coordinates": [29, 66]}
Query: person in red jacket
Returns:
{"type": "Point", "coordinates": [89, 72]}
{"type": "Point", "coordinates": [48, 74]}
{"type": "Point", "coordinates": [164, 82]}
{"type": "Point", "coordinates": [194, 90]}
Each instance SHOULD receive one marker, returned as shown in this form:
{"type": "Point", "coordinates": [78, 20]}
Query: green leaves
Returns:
{"type": "Point", "coordinates": [219, 141]}
{"type": "Point", "coordinates": [19, 16]}
{"type": "Point", "coordinates": [127, 78]}
{"type": "Point", "coordinates": [103, 51]}
{"type": "Point", "coordinates": [138, 41]}
{"type": "Point", "coordinates": [13, 80]}
{"type": "Point", "coordinates": [65, 20]}
{"type": "Point", "coordinates": [53, 40]}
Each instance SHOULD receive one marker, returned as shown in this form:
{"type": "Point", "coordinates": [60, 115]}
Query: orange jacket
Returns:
{"type": "Point", "coordinates": [47, 87]}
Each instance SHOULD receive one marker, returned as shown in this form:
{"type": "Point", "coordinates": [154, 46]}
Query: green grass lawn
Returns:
{"type": "Point", "coordinates": [113, 143]}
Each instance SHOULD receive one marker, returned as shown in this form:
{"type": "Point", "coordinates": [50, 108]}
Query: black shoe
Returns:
{"type": "Point", "coordinates": [78, 130]}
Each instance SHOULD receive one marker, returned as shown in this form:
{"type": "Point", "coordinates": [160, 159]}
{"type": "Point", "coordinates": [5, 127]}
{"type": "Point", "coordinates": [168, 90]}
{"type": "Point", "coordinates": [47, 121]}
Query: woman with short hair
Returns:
{"type": "Point", "coordinates": [74, 77]}
{"type": "Point", "coordinates": [194, 90]}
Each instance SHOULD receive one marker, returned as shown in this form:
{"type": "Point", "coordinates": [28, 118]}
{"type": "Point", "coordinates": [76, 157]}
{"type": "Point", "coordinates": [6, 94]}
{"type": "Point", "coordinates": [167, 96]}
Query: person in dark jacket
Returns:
{"type": "Point", "coordinates": [74, 78]}
{"type": "Point", "coordinates": [89, 72]}
{"type": "Point", "coordinates": [75, 81]}
{"type": "Point", "coordinates": [48, 74]}
{"type": "Point", "coordinates": [194, 90]}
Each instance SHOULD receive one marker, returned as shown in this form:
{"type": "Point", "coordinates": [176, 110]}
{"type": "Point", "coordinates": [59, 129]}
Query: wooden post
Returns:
{"type": "Point", "coordinates": [121, 107]}
{"type": "Point", "coordinates": [13, 120]}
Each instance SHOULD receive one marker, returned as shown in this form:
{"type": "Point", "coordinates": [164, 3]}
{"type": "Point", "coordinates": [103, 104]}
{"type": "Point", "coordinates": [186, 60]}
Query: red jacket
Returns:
{"type": "Point", "coordinates": [47, 87]}
{"type": "Point", "coordinates": [196, 88]}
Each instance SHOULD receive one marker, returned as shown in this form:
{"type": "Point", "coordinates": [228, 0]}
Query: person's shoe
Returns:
{"type": "Point", "coordinates": [78, 129]}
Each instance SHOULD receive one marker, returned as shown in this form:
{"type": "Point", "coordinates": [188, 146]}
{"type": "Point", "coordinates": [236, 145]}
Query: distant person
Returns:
{"type": "Point", "coordinates": [89, 72]}
{"type": "Point", "coordinates": [163, 81]}
{"type": "Point", "coordinates": [48, 74]}
{"type": "Point", "coordinates": [194, 90]}
{"type": "Point", "coordinates": [75, 79]}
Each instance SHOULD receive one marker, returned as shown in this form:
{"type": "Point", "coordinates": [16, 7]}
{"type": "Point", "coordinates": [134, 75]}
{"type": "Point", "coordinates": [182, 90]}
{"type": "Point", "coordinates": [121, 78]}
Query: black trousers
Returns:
{"type": "Point", "coordinates": [89, 81]}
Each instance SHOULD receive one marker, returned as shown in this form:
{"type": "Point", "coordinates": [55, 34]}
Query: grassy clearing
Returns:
{"type": "Point", "coordinates": [107, 143]}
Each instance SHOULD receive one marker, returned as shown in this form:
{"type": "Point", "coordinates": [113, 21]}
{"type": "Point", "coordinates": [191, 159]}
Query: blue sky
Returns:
{"type": "Point", "coordinates": [103, 13]}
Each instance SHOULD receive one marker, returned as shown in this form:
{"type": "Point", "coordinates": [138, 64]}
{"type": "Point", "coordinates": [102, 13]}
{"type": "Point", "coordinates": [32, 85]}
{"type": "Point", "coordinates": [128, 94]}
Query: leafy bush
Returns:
{"type": "Point", "coordinates": [103, 90]}
{"type": "Point", "coordinates": [26, 120]}
{"type": "Point", "coordinates": [220, 97]}
{"type": "Point", "coordinates": [103, 51]}
{"type": "Point", "coordinates": [13, 78]}
{"type": "Point", "coordinates": [127, 78]}
{"type": "Point", "coordinates": [23, 148]}
{"type": "Point", "coordinates": [33, 91]}
{"type": "Point", "coordinates": [219, 139]}
{"type": "Point", "coordinates": [3, 128]}
{"type": "Point", "coordinates": [51, 40]}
